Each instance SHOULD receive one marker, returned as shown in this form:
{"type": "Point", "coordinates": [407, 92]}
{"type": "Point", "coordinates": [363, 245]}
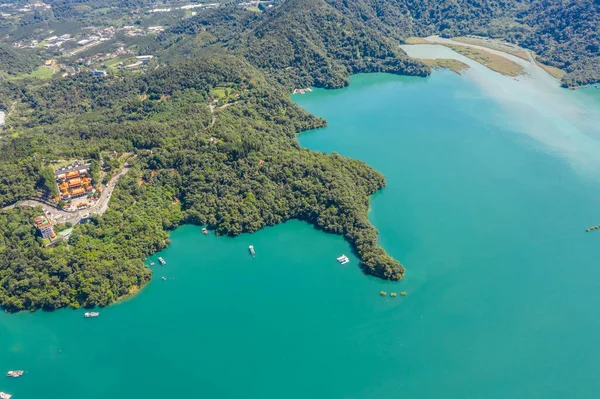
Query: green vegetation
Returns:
{"type": "Point", "coordinates": [41, 72]}
{"type": "Point", "coordinates": [16, 62]}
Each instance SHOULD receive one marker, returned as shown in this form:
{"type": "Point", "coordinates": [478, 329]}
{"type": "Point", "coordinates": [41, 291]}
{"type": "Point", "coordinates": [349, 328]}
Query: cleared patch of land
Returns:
{"type": "Point", "coordinates": [454, 65]}
{"type": "Point", "coordinates": [494, 45]}
{"type": "Point", "coordinates": [42, 72]}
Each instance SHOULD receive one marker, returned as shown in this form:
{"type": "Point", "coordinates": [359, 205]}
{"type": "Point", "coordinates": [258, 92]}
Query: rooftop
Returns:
{"type": "Point", "coordinates": [42, 222]}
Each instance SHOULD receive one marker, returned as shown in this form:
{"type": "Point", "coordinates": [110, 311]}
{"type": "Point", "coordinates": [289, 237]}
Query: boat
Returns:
{"type": "Point", "coordinates": [204, 231]}
{"type": "Point", "coordinates": [383, 293]}
{"type": "Point", "coordinates": [162, 261]}
{"type": "Point", "coordinates": [164, 278]}
{"type": "Point", "coordinates": [251, 249]}
{"type": "Point", "coordinates": [15, 373]}
{"type": "Point", "coordinates": [343, 259]}
{"type": "Point", "coordinates": [152, 263]}
{"type": "Point", "coordinates": [4, 395]}
{"type": "Point", "coordinates": [91, 314]}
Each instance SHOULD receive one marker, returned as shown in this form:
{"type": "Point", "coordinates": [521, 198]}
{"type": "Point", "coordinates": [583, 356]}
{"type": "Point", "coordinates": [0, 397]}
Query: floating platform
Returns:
{"type": "Point", "coordinates": [343, 259]}
{"type": "Point", "coordinates": [403, 293]}
{"type": "Point", "coordinates": [393, 294]}
{"type": "Point", "coordinates": [383, 293]}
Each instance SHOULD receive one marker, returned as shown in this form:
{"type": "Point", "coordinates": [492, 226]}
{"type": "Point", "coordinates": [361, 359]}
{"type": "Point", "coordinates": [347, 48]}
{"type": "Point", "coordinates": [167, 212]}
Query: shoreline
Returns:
{"type": "Point", "coordinates": [516, 55]}
{"type": "Point", "coordinates": [496, 60]}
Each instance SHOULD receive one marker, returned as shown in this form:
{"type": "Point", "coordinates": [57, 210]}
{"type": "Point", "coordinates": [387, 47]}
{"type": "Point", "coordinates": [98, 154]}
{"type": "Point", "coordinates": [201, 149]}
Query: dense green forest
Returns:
{"type": "Point", "coordinates": [15, 62]}
{"type": "Point", "coordinates": [235, 168]}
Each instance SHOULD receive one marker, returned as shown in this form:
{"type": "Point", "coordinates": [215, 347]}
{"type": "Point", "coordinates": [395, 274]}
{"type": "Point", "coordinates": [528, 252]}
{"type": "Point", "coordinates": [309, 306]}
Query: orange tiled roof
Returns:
{"type": "Point", "coordinates": [78, 191]}
{"type": "Point", "coordinates": [72, 174]}
{"type": "Point", "coordinates": [75, 182]}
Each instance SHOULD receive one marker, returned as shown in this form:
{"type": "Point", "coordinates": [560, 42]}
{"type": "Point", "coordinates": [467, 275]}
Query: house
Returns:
{"type": "Point", "coordinates": [44, 226]}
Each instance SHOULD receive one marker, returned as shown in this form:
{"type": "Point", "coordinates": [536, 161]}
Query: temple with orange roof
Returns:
{"type": "Point", "coordinates": [45, 226]}
{"type": "Point", "coordinates": [74, 183]}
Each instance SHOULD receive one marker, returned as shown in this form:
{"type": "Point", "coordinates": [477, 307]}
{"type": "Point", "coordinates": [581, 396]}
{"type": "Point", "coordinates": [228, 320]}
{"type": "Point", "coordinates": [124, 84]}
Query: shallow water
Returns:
{"type": "Point", "coordinates": [487, 201]}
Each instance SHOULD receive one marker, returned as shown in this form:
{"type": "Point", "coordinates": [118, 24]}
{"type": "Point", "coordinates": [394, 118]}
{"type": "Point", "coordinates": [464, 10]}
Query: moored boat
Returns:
{"type": "Point", "coordinates": [343, 259]}
{"type": "Point", "coordinates": [251, 249]}
{"type": "Point", "coordinates": [162, 261]}
{"type": "Point", "coordinates": [204, 231]}
{"type": "Point", "coordinates": [15, 373]}
{"type": "Point", "coordinates": [4, 395]}
{"type": "Point", "coordinates": [91, 314]}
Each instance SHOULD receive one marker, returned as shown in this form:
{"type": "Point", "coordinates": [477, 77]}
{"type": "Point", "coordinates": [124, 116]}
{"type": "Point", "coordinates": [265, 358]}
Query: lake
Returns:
{"type": "Point", "coordinates": [491, 183]}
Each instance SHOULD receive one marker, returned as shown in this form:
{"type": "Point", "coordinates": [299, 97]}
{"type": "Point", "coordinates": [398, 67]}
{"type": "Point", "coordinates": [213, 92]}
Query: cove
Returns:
{"type": "Point", "coordinates": [486, 212]}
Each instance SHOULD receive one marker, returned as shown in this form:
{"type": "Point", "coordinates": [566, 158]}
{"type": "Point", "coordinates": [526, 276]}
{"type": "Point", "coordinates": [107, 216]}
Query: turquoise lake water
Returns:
{"type": "Point", "coordinates": [491, 184]}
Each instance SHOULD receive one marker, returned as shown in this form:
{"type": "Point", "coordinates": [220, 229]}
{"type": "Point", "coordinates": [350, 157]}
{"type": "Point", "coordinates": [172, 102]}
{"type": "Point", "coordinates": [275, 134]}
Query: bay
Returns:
{"type": "Point", "coordinates": [491, 184]}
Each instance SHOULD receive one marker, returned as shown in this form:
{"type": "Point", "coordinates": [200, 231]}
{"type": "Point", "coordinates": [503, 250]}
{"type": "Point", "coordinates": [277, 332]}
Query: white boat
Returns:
{"type": "Point", "coordinates": [251, 248]}
{"type": "Point", "coordinates": [91, 314]}
{"type": "Point", "coordinates": [15, 373]}
{"type": "Point", "coordinates": [343, 259]}
{"type": "Point", "coordinates": [204, 231]}
{"type": "Point", "coordinates": [162, 261]}
{"type": "Point", "coordinates": [4, 395]}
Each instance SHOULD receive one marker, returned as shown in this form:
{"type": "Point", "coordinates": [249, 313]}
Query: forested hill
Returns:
{"type": "Point", "coordinates": [317, 39]}
{"type": "Point", "coordinates": [563, 33]}
{"type": "Point", "coordinates": [16, 62]}
{"type": "Point", "coordinates": [305, 43]}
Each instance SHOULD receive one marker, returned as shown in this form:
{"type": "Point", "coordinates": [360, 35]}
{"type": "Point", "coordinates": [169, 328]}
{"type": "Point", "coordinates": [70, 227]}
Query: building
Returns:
{"type": "Point", "coordinates": [45, 226]}
{"type": "Point", "coordinates": [74, 183]}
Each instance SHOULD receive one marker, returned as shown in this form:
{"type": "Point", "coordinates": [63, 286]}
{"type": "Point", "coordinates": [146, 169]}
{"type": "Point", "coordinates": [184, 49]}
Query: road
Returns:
{"type": "Point", "coordinates": [75, 217]}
